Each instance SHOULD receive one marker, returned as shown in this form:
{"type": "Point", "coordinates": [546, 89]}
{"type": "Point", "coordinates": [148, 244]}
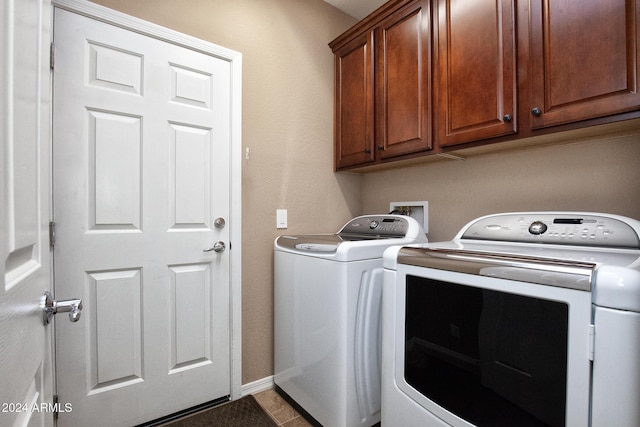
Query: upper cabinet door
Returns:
{"type": "Point", "coordinates": [475, 71]}
{"type": "Point", "coordinates": [354, 110]}
{"type": "Point", "coordinates": [403, 74]}
{"type": "Point", "coordinates": [583, 59]}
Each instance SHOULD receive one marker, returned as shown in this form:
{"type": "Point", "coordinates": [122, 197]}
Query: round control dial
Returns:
{"type": "Point", "coordinates": [537, 227]}
{"type": "Point", "coordinates": [373, 224]}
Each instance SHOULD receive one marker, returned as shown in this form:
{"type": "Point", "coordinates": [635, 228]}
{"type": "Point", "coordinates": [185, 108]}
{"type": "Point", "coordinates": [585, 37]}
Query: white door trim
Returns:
{"type": "Point", "coordinates": [131, 23]}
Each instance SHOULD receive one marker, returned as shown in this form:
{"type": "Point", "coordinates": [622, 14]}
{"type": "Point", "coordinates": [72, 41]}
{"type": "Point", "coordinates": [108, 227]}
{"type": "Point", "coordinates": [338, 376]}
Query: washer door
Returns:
{"type": "Point", "coordinates": [314, 243]}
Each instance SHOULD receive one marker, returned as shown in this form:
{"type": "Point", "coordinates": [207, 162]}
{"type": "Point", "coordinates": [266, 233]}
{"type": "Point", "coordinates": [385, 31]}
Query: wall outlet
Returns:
{"type": "Point", "coordinates": [416, 210]}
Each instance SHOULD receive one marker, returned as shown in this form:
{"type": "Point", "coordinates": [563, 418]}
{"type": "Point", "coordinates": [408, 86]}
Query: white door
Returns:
{"type": "Point", "coordinates": [26, 390]}
{"type": "Point", "coordinates": [141, 146]}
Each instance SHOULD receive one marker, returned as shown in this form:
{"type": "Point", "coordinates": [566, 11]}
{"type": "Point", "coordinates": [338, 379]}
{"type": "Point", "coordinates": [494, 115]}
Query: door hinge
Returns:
{"type": "Point", "coordinates": [52, 56]}
{"type": "Point", "coordinates": [56, 411]}
{"type": "Point", "coordinates": [52, 234]}
{"type": "Point", "coordinates": [592, 341]}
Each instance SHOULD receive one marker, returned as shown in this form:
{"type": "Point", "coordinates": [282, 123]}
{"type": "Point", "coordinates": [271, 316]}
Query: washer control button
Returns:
{"type": "Point", "coordinates": [537, 227]}
{"type": "Point", "coordinates": [373, 224]}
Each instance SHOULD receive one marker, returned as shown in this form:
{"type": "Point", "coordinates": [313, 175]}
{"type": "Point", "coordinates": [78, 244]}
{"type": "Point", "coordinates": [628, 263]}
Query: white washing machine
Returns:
{"type": "Point", "coordinates": [328, 291]}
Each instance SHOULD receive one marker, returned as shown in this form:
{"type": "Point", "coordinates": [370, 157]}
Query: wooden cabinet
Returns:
{"type": "Point", "coordinates": [475, 78]}
{"type": "Point", "coordinates": [403, 82]}
{"type": "Point", "coordinates": [382, 78]}
{"type": "Point", "coordinates": [354, 97]}
{"type": "Point", "coordinates": [419, 77]}
{"type": "Point", "coordinates": [583, 59]}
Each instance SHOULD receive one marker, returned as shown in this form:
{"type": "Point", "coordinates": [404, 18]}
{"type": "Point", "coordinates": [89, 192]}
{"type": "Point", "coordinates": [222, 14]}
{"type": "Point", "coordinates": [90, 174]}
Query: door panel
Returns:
{"type": "Point", "coordinates": [115, 149]}
{"type": "Point", "coordinates": [26, 393]}
{"type": "Point", "coordinates": [115, 346]}
{"type": "Point", "coordinates": [354, 109]}
{"type": "Point", "coordinates": [584, 59]}
{"type": "Point", "coordinates": [475, 73]}
{"type": "Point", "coordinates": [141, 171]}
{"type": "Point", "coordinates": [403, 58]}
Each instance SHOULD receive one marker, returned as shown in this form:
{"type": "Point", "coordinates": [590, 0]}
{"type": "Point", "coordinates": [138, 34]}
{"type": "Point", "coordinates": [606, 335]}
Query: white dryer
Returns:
{"type": "Point", "coordinates": [523, 319]}
{"type": "Point", "coordinates": [328, 291]}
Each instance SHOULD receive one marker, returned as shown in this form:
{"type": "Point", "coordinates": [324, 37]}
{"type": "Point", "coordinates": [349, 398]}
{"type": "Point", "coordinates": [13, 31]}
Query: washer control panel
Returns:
{"type": "Point", "coordinates": [376, 226]}
{"type": "Point", "coordinates": [556, 228]}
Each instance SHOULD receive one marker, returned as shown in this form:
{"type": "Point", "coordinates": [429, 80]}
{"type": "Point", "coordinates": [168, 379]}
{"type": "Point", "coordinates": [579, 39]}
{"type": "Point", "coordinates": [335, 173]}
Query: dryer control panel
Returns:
{"type": "Point", "coordinates": [561, 228]}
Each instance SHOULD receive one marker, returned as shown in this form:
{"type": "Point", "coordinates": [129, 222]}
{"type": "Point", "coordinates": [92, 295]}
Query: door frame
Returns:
{"type": "Point", "coordinates": [112, 17]}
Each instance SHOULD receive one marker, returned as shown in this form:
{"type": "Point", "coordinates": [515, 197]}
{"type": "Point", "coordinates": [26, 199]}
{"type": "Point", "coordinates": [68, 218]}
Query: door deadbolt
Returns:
{"type": "Point", "coordinates": [219, 222]}
{"type": "Point", "coordinates": [51, 307]}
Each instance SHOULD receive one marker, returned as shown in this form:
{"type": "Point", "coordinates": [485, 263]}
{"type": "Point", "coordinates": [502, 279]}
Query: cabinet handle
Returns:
{"type": "Point", "coordinates": [367, 150]}
{"type": "Point", "coordinates": [536, 111]}
{"type": "Point", "coordinates": [380, 148]}
{"type": "Point", "coordinates": [507, 118]}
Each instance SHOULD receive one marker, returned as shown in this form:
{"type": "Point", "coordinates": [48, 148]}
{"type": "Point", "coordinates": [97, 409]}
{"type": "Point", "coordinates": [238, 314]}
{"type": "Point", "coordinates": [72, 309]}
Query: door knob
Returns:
{"type": "Point", "coordinates": [217, 247]}
{"type": "Point", "coordinates": [51, 307]}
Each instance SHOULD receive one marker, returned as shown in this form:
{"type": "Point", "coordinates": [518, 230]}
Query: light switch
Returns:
{"type": "Point", "coordinates": [281, 218]}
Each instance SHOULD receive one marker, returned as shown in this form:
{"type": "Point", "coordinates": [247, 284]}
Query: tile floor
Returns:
{"type": "Point", "coordinates": [278, 409]}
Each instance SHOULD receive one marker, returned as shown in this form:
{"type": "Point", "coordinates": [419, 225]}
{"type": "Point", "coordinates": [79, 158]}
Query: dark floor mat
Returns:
{"type": "Point", "coordinates": [244, 412]}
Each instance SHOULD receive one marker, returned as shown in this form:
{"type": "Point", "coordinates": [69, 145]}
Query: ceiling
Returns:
{"type": "Point", "coordinates": [357, 8]}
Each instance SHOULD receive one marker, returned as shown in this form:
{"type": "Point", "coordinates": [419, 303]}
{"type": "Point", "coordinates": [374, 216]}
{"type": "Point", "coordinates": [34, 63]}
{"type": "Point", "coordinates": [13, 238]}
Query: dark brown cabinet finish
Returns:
{"type": "Point", "coordinates": [382, 93]}
{"type": "Point", "coordinates": [354, 98]}
{"type": "Point", "coordinates": [475, 73]}
{"type": "Point", "coordinates": [584, 59]}
{"type": "Point", "coordinates": [403, 75]}
{"type": "Point", "coordinates": [451, 77]}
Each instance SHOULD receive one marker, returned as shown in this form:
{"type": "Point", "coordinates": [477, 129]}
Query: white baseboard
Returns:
{"type": "Point", "coordinates": [257, 386]}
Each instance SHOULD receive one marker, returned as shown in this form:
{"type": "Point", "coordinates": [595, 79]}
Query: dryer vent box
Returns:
{"type": "Point", "coordinates": [416, 210]}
